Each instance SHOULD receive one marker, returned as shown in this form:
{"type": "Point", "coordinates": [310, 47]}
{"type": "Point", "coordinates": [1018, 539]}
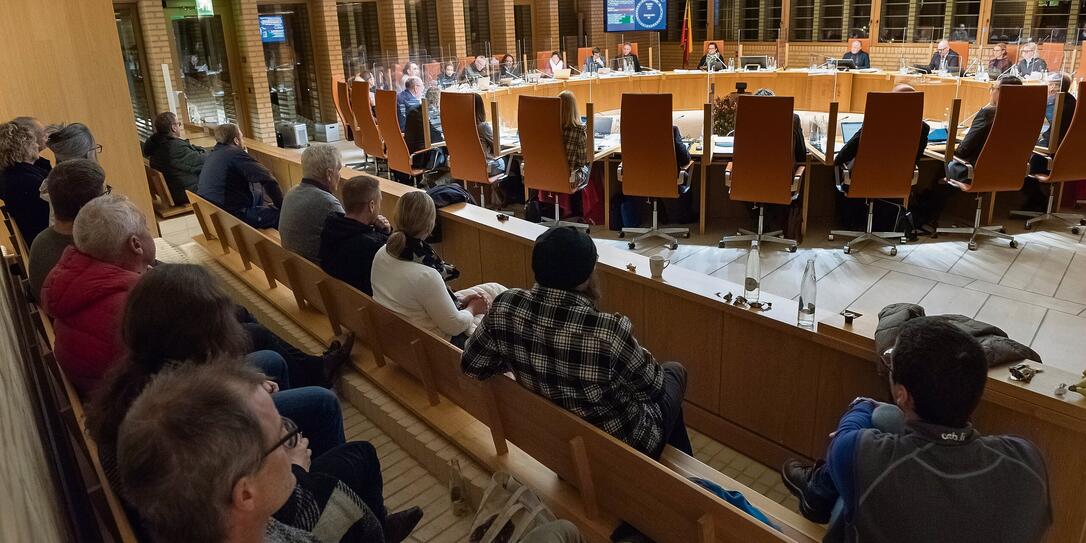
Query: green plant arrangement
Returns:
{"type": "Point", "coordinates": [724, 114]}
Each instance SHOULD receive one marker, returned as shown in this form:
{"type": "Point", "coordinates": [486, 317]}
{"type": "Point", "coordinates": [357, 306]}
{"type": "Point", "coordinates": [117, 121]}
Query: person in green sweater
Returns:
{"type": "Point", "coordinates": [179, 161]}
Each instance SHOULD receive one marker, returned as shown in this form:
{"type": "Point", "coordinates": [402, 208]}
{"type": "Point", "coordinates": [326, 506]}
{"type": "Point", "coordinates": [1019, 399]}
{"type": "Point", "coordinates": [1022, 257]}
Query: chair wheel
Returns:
{"type": "Point", "coordinates": [1002, 230]}
{"type": "Point", "coordinates": [792, 248]}
{"type": "Point", "coordinates": [631, 245]}
{"type": "Point", "coordinates": [673, 246]}
{"type": "Point", "coordinates": [847, 249]}
{"type": "Point", "coordinates": [972, 246]}
{"type": "Point", "coordinates": [622, 234]}
{"type": "Point", "coordinates": [829, 237]}
{"type": "Point", "coordinates": [1013, 244]}
{"type": "Point", "coordinates": [1076, 230]}
{"type": "Point", "coordinates": [686, 235]}
{"type": "Point", "coordinates": [720, 244]}
{"type": "Point", "coordinates": [1082, 222]}
{"type": "Point", "coordinates": [893, 251]}
{"type": "Point", "coordinates": [1027, 226]}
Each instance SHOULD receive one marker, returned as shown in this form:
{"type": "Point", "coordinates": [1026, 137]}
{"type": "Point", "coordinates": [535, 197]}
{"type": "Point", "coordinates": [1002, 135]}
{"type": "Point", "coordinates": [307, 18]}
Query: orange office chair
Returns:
{"type": "Point", "coordinates": [762, 170]}
{"type": "Point", "coordinates": [649, 167]}
{"type": "Point", "coordinates": [399, 157]}
{"type": "Point", "coordinates": [467, 160]}
{"type": "Point", "coordinates": [543, 147]}
{"type": "Point", "coordinates": [370, 137]}
{"type": "Point", "coordinates": [1003, 163]}
{"type": "Point", "coordinates": [885, 164]}
{"type": "Point", "coordinates": [1068, 163]}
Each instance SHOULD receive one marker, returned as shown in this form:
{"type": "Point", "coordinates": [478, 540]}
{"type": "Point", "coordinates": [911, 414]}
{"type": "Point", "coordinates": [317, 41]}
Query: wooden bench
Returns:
{"type": "Point", "coordinates": [579, 470]}
{"type": "Point", "coordinates": [161, 198]}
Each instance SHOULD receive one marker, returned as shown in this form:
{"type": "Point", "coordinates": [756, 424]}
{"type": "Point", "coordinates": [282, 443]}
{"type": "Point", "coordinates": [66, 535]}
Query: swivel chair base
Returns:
{"type": "Point", "coordinates": [1075, 220]}
{"type": "Point", "coordinates": [557, 220]}
{"type": "Point", "coordinates": [759, 236]}
{"type": "Point", "coordinates": [655, 231]}
{"type": "Point", "coordinates": [879, 238]}
{"type": "Point", "coordinates": [980, 231]}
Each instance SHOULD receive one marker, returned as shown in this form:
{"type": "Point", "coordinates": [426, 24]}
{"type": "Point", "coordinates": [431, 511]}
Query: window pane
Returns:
{"type": "Point", "coordinates": [134, 70]}
{"type": "Point", "coordinates": [930, 16]}
{"type": "Point", "coordinates": [292, 73]}
{"type": "Point", "coordinates": [726, 23]}
{"type": "Point", "coordinates": [802, 20]}
{"type": "Point", "coordinates": [965, 20]}
{"type": "Point", "coordinates": [1008, 17]}
{"type": "Point", "coordinates": [1050, 22]}
{"type": "Point", "coordinates": [522, 25]}
{"type": "Point", "coordinates": [895, 20]}
{"type": "Point", "coordinates": [205, 71]}
{"type": "Point", "coordinates": [422, 31]}
{"type": "Point", "coordinates": [861, 18]}
{"type": "Point", "coordinates": [832, 14]}
{"type": "Point", "coordinates": [359, 36]}
{"type": "Point", "coordinates": [749, 29]}
{"type": "Point", "coordinates": [772, 29]}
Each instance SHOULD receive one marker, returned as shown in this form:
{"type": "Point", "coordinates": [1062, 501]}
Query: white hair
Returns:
{"type": "Point", "coordinates": [104, 226]}
{"type": "Point", "coordinates": [318, 159]}
{"type": "Point", "coordinates": [71, 141]}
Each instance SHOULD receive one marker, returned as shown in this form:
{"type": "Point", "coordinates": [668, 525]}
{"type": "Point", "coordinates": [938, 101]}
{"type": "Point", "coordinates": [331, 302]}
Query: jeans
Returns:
{"type": "Point", "coordinates": [272, 365]}
{"type": "Point", "coordinates": [356, 465]}
{"type": "Point", "coordinates": [671, 406]}
{"type": "Point", "coordinates": [316, 412]}
{"type": "Point", "coordinates": [260, 217]}
{"type": "Point", "coordinates": [303, 369]}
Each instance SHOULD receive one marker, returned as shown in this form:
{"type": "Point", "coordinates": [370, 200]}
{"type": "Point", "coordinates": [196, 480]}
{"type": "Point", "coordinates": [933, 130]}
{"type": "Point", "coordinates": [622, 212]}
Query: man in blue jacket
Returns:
{"type": "Point", "coordinates": [236, 182]}
{"type": "Point", "coordinates": [409, 98]}
{"type": "Point", "coordinates": [939, 479]}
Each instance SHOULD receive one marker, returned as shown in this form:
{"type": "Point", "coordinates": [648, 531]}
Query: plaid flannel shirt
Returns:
{"type": "Point", "coordinates": [574, 136]}
{"type": "Point", "coordinates": [560, 347]}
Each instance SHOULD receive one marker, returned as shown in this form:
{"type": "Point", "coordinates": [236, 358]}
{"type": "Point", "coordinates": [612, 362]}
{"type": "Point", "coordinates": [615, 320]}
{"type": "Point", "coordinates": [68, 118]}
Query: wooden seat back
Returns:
{"type": "Point", "coordinates": [762, 162]}
{"type": "Point", "coordinates": [542, 144]}
{"type": "Point", "coordinates": [1002, 164]}
{"type": "Point", "coordinates": [633, 49]}
{"type": "Point", "coordinates": [1080, 69]}
{"type": "Point", "coordinates": [1069, 162]}
{"type": "Point", "coordinates": [1012, 52]}
{"type": "Point", "coordinates": [160, 192]}
{"type": "Point", "coordinates": [583, 54]}
{"type": "Point", "coordinates": [467, 161]}
{"type": "Point", "coordinates": [431, 71]}
{"type": "Point", "coordinates": [886, 159]}
{"type": "Point", "coordinates": [399, 157]}
{"type": "Point", "coordinates": [719, 46]}
{"type": "Point", "coordinates": [543, 61]}
{"type": "Point", "coordinates": [372, 143]}
{"type": "Point", "coordinates": [649, 166]}
{"type": "Point", "coordinates": [962, 48]}
{"type": "Point", "coordinates": [341, 99]}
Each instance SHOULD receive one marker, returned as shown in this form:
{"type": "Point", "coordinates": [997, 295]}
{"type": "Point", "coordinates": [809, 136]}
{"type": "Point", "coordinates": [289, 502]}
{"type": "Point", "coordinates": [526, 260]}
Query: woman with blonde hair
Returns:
{"type": "Point", "coordinates": [409, 277]}
{"type": "Point", "coordinates": [574, 136]}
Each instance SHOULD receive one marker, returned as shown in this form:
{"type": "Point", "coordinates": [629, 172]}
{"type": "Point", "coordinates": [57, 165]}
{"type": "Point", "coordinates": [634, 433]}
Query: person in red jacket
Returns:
{"type": "Point", "coordinates": [85, 293]}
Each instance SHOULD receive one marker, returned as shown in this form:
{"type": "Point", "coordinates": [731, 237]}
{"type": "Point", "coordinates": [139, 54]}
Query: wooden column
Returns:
{"type": "Point", "coordinates": [224, 9]}
{"type": "Point", "coordinates": [876, 17]}
{"type": "Point", "coordinates": [786, 17]}
{"type": "Point", "coordinates": [157, 50]}
{"type": "Point", "coordinates": [451, 28]}
{"type": "Point", "coordinates": [984, 22]}
{"type": "Point", "coordinates": [254, 73]}
{"type": "Point", "coordinates": [324, 25]}
{"type": "Point", "coordinates": [545, 26]}
{"type": "Point", "coordinates": [710, 18]}
{"type": "Point", "coordinates": [503, 35]}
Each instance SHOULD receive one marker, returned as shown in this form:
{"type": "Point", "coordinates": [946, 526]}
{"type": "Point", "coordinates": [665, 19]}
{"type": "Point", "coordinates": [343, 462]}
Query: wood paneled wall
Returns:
{"type": "Point", "coordinates": [62, 63]}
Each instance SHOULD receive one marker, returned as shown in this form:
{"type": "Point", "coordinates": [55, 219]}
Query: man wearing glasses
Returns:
{"type": "Point", "coordinates": [179, 161]}
{"type": "Point", "coordinates": [204, 456]}
{"type": "Point", "coordinates": [944, 60]}
{"type": "Point", "coordinates": [939, 479]}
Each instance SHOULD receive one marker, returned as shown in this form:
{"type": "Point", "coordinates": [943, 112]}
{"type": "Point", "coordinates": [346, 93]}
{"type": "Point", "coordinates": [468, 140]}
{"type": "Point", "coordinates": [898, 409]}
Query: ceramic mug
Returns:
{"type": "Point", "coordinates": [657, 264]}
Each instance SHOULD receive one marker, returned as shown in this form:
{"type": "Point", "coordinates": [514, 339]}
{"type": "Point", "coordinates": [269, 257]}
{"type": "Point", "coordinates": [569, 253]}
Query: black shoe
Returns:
{"type": "Point", "coordinates": [337, 354]}
{"type": "Point", "coordinates": [797, 476]}
{"type": "Point", "coordinates": [399, 525]}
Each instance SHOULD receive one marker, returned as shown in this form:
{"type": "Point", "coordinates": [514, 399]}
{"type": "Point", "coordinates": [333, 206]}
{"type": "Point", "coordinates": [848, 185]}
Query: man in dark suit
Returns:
{"type": "Point", "coordinates": [409, 97]}
{"type": "Point", "coordinates": [857, 55]}
{"type": "Point", "coordinates": [627, 60]}
{"type": "Point", "coordinates": [1036, 200]}
{"type": "Point", "coordinates": [944, 58]}
{"type": "Point", "coordinates": [1029, 61]}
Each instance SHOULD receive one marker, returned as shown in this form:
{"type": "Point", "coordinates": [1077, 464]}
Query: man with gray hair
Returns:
{"type": "Point", "coordinates": [307, 205]}
{"type": "Point", "coordinates": [409, 97]}
{"type": "Point", "coordinates": [236, 182]}
{"type": "Point", "coordinates": [86, 291]}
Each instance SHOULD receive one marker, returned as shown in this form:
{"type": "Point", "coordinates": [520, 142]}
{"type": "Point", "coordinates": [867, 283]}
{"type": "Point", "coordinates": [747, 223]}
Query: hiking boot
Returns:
{"type": "Point", "coordinates": [399, 525]}
{"type": "Point", "coordinates": [797, 477]}
{"type": "Point", "coordinates": [337, 354]}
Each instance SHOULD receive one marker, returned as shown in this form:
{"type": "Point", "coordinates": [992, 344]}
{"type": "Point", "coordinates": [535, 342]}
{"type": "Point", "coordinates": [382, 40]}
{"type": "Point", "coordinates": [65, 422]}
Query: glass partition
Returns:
{"type": "Point", "coordinates": [522, 29]}
{"type": "Point", "coordinates": [135, 69]}
{"type": "Point", "coordinates": [205, 71]}
{"type": "Point", "coordinates": [1008, 17]}
{"type": "Point", "coordinates": [802, 20]}
{"type": "Point", "coordinates": [288, 57]}
{"type": "Point", "coordinates": [477, 26]}
{"type": "Point", "coordinates": [359, 35]}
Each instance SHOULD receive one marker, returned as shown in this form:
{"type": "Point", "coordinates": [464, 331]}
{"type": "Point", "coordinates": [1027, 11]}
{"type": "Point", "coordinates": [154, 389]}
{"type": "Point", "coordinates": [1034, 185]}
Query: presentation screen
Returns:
{"type": "Point", "coordinates": [272, 29]}
{"type": "Point", "coordinates": [634, 15]}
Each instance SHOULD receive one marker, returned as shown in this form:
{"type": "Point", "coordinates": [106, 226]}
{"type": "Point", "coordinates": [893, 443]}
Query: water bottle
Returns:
{"type": "Point", "coordinates": [752, 287]}
{"type": "Point", "coordinates": [457, 490]}
{"type": "Point", "coordinates": [808, 292]}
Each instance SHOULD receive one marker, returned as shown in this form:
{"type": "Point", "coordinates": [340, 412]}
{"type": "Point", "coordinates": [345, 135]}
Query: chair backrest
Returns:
{"type": "Point", "coordinates": [884, 165]}
{"type": "Point", "coordinates": [649, 166]}
{"type": "Point", "coordinates": [342, 100]}
{"type": "Point", "coordinates": [1069, 162]}
{"type": "Point", "coordinates": [633, 49]}
{"type": "Point", "coordinates": [1052, 53]}
{"type": "Point", "coordinates": [399, 158]}
{"type": "Point", "coordinates": [431, 71]}
{"type": "Point", "coordinates": [1080, 70]}
{"type": "Point", "coordinates": [1003, 161]}
{"type": "Point", "coordinates": [962, 48]}
{"type": "Point", "coordinates": [543, 60]}
{"type": "Point", "coordinates": [372, 143]}
{"type": "Point", "coordinates": [159, 190]}
{"type": "Point", "coordinates": [467, 160]}
{"type": "Point", "coordinates": [542, 144]}
{"type": "Point", "coordinates": [865, 44]}
{"type": "Point", "coordinates": [583, 54]}
{"type": "Point", "coordinates": [762, 161]}
{"type": "Point", "coordinates": [719, 46]}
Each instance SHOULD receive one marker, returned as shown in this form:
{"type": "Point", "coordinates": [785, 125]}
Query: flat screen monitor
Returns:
{"type": "Point", "coordinates": [759, 62]}
{"type": "Point", "coordinates": [849, 129]}
{"type": "Point", "coordinates": [843, 63]}
{"type": "Point", "coordinates": [634, 15]}
{"type": "Point", "coordinates": [272, 29]}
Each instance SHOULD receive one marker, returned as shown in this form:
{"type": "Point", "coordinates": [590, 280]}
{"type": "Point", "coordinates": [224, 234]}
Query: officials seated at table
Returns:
{"type": "Point", "coordinates": [448, 76]}
{"type": "Point", "coordinates": [351, 239]}
{"type": "Point", "coordinates": [414, 135]}
{"type": "Point", "coordinates": [554, 64]}
{"type": "Point", "coordinates": [593, 63]}
{"type": "Point", "coordinates": [237, 183]}
{"type": "Point", "coordinates": [1028, 61]}
{"type": "Point", "coordinates": [944, 59]}
{"type": "Point", "coordinates": [558, 344]}
{"type": "Point", "coordinates": [1038, 164]}
{"type": "Point", "coordinates": [857, 55]}
{"type": "Point", "coordinates": [509, 67]}
{"type": "Point", "coordinates": [1000, 62]}
{"type": "Point", "coordinates": [628, 61]}
{"type": "Point", "coordinates": [409, 277]}
{"type": "Point", "coordinates": [475, 70]}
{"type": "Point", "coordinates": [179, 161]}
{"type": "Point", "coordinates": [409, 97]}
{"type": "Point", "coordinates": [307, 205]}
{"type": "Point", "coordinates": [712, 59]}
{"type": "Point", "coordinates": [937, 479]}
{"type": "Point", "coordinates": [411, 69]}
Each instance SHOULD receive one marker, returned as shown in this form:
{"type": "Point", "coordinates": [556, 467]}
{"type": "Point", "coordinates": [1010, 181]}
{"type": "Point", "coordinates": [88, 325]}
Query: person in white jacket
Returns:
{"type": "Point", "coordinates": [409, 277]}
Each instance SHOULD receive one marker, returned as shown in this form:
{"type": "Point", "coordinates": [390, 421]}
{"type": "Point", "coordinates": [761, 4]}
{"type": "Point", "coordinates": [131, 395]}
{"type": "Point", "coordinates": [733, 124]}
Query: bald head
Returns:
{"type": "Point", "coordinates": [903, 87]}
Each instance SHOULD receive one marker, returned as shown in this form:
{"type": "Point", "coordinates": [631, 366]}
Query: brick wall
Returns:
{"type": "Point", "coordinates": [545, 25]}
{"type": "Point", "coordinates": [393, 22]}
{"type": "Point", "coordinates": [450, 24]}
{"type": "Point", "coordinates": [503, 36]}
{"type": "Point", "coordinates": [158, 51]}
{"type": "Point", "coordinates": [254, 72]}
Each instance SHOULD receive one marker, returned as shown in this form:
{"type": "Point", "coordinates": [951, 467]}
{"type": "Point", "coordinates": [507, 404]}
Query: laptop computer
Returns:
{"type": "Point", "coordinates": [602, 124]}
{"type": "Point", "coordinates": [849, 129]}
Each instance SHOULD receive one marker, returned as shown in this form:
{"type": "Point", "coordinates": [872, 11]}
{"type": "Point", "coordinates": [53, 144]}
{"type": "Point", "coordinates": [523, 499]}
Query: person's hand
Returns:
{"type": "Point", "coordinates": [271, 386]}
{"type": "Point", "coordinates": [300, 455]}
{"type": "Point", "coordinates": [382, 224]}
{"type": "Point", "coordinates": [476, 304]}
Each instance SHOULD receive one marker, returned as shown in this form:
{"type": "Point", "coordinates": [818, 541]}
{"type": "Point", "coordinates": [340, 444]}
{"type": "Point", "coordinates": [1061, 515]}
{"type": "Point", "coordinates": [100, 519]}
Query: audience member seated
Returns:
{"type": "Point", "coordinates": [575, 140]}
{"type": "Point", "coordinates": [204, 455]}
{"type": "Point", "coordinates": [1028, 61]}
{"type": "Point", "coordinates": [307, 205]}
{"type": "Point", "coordinates": [448, 77]}
{"type": "Point", "coordinates": [511, 188]}
{"type": "Point", "coordinates": [509, 67]}
{"type": "Point", "coordinates": [350, 241]}
{"type": "Point", "coordinates": [415, 138]}
{"type": "Point", "coordinates": [1036, 200]}
{"type": "Point", "coordinates": [1000, 62]}
{"type": "Point", "coordinates": [179, 161]}
{"type": "Point", "coordinates": [711, 60]}
{"type": "Point", "coordinates": [85, 292]}
{"type": "Point", "coordinates": [72, 184]}
{"type": "Point", "coordinates": [410, 70]}
{"type": "Point", "coordinates": [857, 55]}
{"type": "Point", "coordinates": [944, 59]}
{"type": "Point", "coordinates": [21, 180]}
{"type": "Point", "coordinates": [593, 63]}
{"type": "Point", "coordinates": [409, 97]}
{"type": "Point", "coordinates": [799, 150]}
{"type": "Point", "coordinates": [554, 64]}
{"type": "Point", "coordinates": [559, 345]}
{"type": "Point", "coordinates": [475, 70]}
{"type": "Point", "coordinates": [41, 134]}
{"type": "Point", "coordinates": [628, 62]}
{"type": "Point", "coordinates": [409, 277]}
{"type": "Point", "coordinates": [367, 76]}
{"type": "Point", "coordinates": [69, 142]}
{"type": "Point", "coordinates": [939, 479]}
{"type": "Point", "coordinates": [236, 182]}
